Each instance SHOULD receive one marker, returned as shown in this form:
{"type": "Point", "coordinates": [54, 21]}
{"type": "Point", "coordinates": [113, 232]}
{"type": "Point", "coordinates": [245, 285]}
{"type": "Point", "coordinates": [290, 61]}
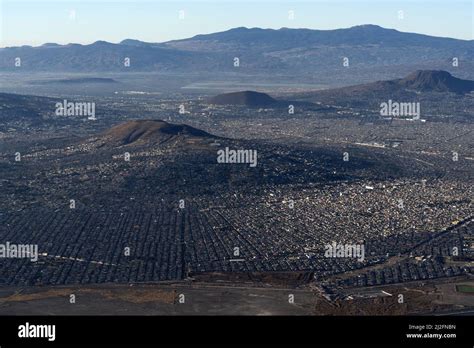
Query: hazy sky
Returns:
{"type": "Point", "coordinates": [63, 21]}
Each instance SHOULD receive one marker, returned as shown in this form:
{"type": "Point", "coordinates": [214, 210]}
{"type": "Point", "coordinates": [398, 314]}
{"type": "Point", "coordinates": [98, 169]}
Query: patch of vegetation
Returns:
{"type": "Point", "coordinates": [465, 288]}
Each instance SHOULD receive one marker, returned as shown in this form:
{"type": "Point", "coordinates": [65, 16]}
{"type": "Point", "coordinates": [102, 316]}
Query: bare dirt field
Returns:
{"type": "Point", "coordinates": [221, 296]}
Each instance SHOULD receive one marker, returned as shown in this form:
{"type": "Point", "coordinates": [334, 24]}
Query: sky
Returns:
{"type": "Point", "coordinates": [62, 21]}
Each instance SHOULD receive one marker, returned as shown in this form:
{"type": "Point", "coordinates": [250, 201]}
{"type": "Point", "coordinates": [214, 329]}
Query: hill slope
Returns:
{"type": "Point", "coordinates": [423, 81]}
{"type": "Point", "coordinates": [248, 98]}
{"type": "Point", "coordinates": [436, 80]}
{"type": "Point", "coordinates": [151, 131]}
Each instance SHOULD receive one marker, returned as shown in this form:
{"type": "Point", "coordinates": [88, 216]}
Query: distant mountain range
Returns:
{"type": "Point", "coordinates": [284, 51]}
{"type": "Point", "coordinates": [74, 81]}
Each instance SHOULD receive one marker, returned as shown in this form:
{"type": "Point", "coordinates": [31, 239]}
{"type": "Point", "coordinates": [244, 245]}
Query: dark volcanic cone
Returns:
{"type": "Point", "coordinates": [248, 98]}
{"type": "Point", "coordinates": [152, 131]}
{"type": "Point", "coordinates": [436, 80]}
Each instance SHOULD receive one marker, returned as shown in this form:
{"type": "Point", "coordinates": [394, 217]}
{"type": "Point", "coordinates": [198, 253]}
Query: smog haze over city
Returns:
{"type": "Point", "coordinates": [224, 158]}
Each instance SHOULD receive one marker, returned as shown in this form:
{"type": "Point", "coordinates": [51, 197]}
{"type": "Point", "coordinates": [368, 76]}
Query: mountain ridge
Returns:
{"type": "Point", "coordinates": [243, 29]}
{"type": "Point", "coordinates": [284, 51]}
